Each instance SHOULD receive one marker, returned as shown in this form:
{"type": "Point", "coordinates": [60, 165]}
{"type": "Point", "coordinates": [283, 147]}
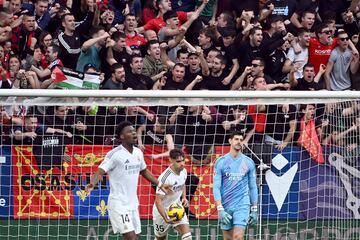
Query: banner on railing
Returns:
{"type": "Point", "coordinates": [295, 187]}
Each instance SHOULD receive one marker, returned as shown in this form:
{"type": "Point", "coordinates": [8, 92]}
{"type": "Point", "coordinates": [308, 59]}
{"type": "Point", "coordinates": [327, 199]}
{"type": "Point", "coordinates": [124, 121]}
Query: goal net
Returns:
{"type": "Point", "coordinates": [306, 147]}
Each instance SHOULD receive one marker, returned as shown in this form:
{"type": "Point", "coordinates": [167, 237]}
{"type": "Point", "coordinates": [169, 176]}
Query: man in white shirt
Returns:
{"type": "Point", "coordinates": [175, 175]}
{"type": "Point", "coordinates": [298, 58]}
{"type": "Point", "coordinates": [123, 164]}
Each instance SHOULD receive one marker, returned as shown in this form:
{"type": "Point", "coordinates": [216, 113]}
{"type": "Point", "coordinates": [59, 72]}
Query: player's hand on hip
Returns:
{"type": "Point", "coordinates": [225, 217]}
{"type": "Point", "coordinates": [253, 215]}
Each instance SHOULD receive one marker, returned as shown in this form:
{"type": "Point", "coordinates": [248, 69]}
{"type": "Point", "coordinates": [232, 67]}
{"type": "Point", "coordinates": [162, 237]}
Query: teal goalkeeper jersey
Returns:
{"type": "Point", "coordinates": [235, 181]}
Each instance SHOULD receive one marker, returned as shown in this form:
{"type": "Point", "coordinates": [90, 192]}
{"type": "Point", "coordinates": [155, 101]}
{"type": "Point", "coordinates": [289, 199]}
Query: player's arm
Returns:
{"type": "Point", "coordinates": [253, 194]}
{"type": "Point", "coordinates": [95, 179]}
{"type": "Point", "coordinates": [106, 166]}
{"type": "Point", "coordinates": [166, 188]}
{"type": "Point", "coordinates": [184, 200]}
{"type": "Point", "coordinates": [160, 207]}
{"type": "Point", "coordinates": [217, 184]}
{"type": "Point", "coordinates": [252, 185]}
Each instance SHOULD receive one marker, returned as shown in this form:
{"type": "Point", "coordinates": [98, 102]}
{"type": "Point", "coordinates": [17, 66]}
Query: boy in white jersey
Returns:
{"type": "Point", "coordinates": [174, 175]}
{"type": "Point", "coordinates": [234, 189]}
{"type": "Point", "coordinates": [123, 164]}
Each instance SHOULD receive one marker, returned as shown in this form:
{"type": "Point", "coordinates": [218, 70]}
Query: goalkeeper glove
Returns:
{"type": "Point", "coordinates": [225, 218]}
{"type": "Point", "coordinates": [253, 215]}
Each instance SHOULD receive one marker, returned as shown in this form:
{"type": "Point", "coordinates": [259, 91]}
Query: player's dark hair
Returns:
{"type": "Point", "coordinates": [121, 126]}
{"type": "Point", "coordinates": [175, 153]}
{"type": "Point", "coordinates": [236, 133]}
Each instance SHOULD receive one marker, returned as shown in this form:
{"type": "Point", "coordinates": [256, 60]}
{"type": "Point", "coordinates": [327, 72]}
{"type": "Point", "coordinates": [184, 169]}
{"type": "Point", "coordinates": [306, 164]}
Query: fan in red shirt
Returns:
{"type": "Point", "coordinates": [132, 37]}
{"type": "Point", "coordinates": [157, 23]}
{"type": "Point", "coordinates": [320, 47]}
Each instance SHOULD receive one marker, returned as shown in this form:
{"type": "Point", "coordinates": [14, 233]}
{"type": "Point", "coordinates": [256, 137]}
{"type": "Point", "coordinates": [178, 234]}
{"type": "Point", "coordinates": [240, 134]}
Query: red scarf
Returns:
{"type": "Point", "coordinates": [309, 140]}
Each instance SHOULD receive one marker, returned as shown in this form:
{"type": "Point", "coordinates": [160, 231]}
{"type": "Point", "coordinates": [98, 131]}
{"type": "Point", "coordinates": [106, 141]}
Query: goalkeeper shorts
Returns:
{"type": "Point", "coordinates": [240, 217]}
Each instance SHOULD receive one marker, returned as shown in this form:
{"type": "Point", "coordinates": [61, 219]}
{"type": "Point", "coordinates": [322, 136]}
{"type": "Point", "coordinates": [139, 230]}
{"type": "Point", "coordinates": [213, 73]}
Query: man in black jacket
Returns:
{"type": "Point", "coordinates": [69, 39]}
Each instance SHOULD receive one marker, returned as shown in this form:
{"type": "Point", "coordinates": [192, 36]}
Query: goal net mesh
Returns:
{"type": "Point", "coordinates": [51, 146]}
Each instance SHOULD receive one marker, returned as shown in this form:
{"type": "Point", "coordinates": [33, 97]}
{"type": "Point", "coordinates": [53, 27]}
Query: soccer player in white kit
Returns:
{"type": "Point", "coordinates": [123, 164]}
{"type": "Point", "coordinates": [175, 176]}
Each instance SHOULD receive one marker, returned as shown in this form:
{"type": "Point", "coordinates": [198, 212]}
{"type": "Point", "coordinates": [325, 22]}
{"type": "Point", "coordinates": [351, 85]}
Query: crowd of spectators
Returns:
{"type": "Point", "coordinates": [183, 45]}
{"type": "Point", "coordinates": [284, 45]}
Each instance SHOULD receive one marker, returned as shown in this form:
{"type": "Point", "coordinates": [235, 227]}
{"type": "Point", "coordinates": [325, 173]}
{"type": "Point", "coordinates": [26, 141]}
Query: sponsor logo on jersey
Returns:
{"type": "Point", "coordinates": [178, 188]}
{"type": "Point", "coordinates": [322, 52]}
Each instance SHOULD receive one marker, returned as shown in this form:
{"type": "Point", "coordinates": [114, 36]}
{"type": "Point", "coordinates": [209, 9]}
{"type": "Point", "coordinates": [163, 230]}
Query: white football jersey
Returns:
{"type": "Point", "coordinates": [123, 169]}
{"type": "Point", "coordinates": [178, 183]}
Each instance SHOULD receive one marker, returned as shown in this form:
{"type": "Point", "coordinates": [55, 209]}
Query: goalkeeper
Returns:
{"type": "Point", "coordinates": [175, 175]}
{"type": "Point", "coordinates": [234, 189]}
